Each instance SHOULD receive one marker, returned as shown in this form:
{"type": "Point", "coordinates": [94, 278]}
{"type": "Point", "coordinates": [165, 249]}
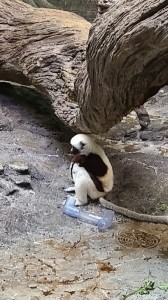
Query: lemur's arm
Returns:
{"type": "Point", "coordinates": [91, 166]}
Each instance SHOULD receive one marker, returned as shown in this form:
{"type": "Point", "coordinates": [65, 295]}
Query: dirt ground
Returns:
{"type": "Point", "coordinates": [47, 255]}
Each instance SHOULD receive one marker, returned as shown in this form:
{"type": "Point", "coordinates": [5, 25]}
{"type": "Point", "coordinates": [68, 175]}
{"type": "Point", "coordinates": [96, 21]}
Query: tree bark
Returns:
{"type": "Point", "coordinates": [43, 48]}
{"type": "Point", "coordinates": [126, 58]}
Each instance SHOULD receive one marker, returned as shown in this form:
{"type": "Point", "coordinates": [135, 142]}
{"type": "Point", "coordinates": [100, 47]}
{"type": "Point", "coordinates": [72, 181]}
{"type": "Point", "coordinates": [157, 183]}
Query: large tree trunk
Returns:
{"type": "Point", "coordinates": [126, 58]}
{"type": "Point", "coordinates": [43, 48]}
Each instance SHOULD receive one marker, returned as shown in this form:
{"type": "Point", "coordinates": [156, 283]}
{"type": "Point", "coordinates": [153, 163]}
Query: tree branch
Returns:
{"type": "Point", "coordinates": [126, 58]}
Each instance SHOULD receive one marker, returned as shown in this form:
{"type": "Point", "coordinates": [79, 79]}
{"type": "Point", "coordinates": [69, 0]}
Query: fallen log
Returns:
{"type": "Point", "coordinates": [125, 61]}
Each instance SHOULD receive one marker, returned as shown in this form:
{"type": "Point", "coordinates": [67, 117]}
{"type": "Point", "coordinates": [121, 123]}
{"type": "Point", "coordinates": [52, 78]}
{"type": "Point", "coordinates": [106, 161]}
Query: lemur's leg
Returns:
{"type": "Point", "coordinates": [81, 193]}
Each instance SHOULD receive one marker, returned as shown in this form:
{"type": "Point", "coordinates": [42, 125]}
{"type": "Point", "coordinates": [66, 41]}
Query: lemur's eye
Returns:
{"type": "Point", "coordinates": [82, 145]}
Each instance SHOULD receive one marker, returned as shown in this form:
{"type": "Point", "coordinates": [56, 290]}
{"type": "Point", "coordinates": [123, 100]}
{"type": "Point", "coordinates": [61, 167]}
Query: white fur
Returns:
{"type": "Point", "coordinates": [84, 186]}
{"type": "Point", "coordinates": [92, 147]}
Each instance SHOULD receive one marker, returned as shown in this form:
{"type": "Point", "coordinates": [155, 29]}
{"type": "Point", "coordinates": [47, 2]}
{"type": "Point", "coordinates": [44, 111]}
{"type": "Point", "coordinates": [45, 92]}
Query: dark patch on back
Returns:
{"type": "Point", "coordinates": [94, 165]}
{"type": "Point", "coordinates": [96, 182]}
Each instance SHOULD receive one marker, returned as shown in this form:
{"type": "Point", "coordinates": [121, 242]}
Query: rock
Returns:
{"type": "Point", "coordinates": [7, 186]}
{"type": "Point", "coordinates": [32, 286]}
{"type": "Point", "coordinates": [19, 167]}
{"type": "Point", "coordinates": [6, 127]}
{"type": "Point", "coordinates": [161, 91]}
{"type": "Point", "coordinates": [151, 136]}
{"type": "Point", "coordinates": [22, 181]}
{"type": "Point", "coordinates": [1, 169]}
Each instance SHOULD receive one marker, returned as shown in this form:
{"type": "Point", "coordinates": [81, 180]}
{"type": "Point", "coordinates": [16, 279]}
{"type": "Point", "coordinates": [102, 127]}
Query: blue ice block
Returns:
{"type": "Point", "coordinates": [102, 222]}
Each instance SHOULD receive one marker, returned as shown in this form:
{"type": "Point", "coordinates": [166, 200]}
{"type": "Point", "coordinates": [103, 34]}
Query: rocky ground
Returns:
{"type": "Point", "coordinates": [47, 255]}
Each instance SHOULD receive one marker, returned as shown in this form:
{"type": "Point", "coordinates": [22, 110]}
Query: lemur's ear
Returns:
{"type": "Point", "coordinates": [82, 145]}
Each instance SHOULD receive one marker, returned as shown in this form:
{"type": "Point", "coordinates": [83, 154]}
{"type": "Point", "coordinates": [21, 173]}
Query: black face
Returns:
{"type": "Point", "coordinates": [74, 150]}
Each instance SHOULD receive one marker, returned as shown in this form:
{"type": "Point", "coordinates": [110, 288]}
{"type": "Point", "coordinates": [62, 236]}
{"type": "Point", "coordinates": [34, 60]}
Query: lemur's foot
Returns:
{"type": "Point", "coordinates": [79, 203]}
